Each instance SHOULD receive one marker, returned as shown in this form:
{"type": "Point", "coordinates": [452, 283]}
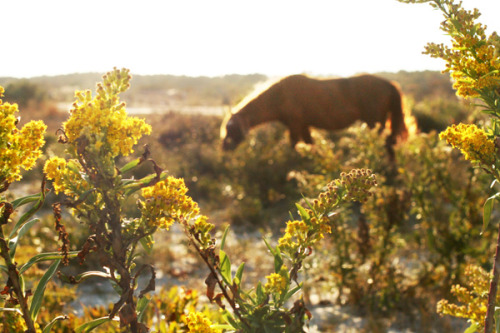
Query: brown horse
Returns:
{"type": "Point", "coordinates": [300, 102]}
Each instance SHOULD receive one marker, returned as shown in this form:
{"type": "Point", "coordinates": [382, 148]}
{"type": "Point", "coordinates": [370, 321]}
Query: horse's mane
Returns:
{"type": "Point", "coordinates": [258, 89]}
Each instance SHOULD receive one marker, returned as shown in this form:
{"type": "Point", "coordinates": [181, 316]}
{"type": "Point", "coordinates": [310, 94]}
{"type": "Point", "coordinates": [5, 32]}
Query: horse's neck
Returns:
{"type": "Point", "coordinates": [257, 112]}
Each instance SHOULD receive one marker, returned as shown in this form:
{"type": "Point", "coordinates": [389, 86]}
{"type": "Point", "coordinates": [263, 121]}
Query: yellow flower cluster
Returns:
{"type": "Point", "coordinates": [198, 323]}
{"type": "Point", "coordinates": [299, 235]}
{"type": "Point", "coordinates": [201, 230]}
{"type": "Point", "coordinates": [472, 59]}
{"type": "Point", "coordinates": [473, 298]}
{"type": "Point", "coordinates": [357, 184]}
{"type": "Point", "coordinates": [18, 148]}
{"type": "Point", "coordinates": [472, 141]}
{"type": "Point", "coordinates": [296, 235]}
{"type": "Point", "coordinates": [276, 283]}
{"type": "Point", "coordinates": [352, 186]}
{"type": "Point", "coordinates": [166, 202]}
{"type": "Point", "coordinates": [67, 176]}
{"type": "Point", "coordinates": [102, 120]}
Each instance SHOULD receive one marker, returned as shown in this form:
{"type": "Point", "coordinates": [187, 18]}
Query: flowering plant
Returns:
{"type": "Point", "coordinates": [96, 190]}
{"type": "Point", "coordinates": [265, 307]}
{"type": "Point", "coordinates": [473, 62]}
{"type": "Point", "coordinates": [96, 133]}
{"type": "Point", "coordinates": [20, 149]}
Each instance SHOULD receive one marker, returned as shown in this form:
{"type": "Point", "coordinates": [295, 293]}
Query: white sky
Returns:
{"type": "Point", "coordinates": [217, 37]}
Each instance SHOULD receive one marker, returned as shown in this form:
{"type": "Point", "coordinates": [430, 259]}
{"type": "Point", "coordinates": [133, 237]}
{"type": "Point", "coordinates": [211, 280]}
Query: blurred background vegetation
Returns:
{"type": "Point", "coordinates": [387, 262]}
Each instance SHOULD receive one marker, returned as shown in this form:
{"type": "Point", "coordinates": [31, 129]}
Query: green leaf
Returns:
{"type": "Point", "coordinates": [278, 260]}
{"type": "Point", "coordinates": [36, 302]}
{"type": "Point", "coordinates": [217, 327]}
{"type": "Point", "coordinates": [223, 240]}
{"type": "Point", "coordinates": [228, 317]}
{"type": "Point", "coordinates": [116, 287]}
{"type": "Point", "coordinates": [497, 319]}
{"type": "Point", "coordinates": [89, 326]}
{"type": "Point", "coordinates": [239, 273]}
{"type": "Point", "coordinates": [130, 165]}
{"type": "Point", "coordinates": [22, 231]}
{"type": "Point", "coordinates": [74, 166]}
{"type": "Point", "coordinates": [292, 292]}
{"type": "Point", "coordinates": [142, 304]}
{"type": "Point", "coordinates": [16, 310]}
{"type": "Point", "coordinates": [271, 249]}
{"type": "Point", "coordinates": [138, 184]}
{"type": "Point", "coordinates": [84, 276]}
{"type": "Point", "coordinates": [472, 328]}
{"type": "Point", "coordinates": [260, 293]}
{"type": "Point", "coordinates": [24, 200]}
{"type": "Point", "coordinates": [278, 263]}
{"type": "Point", "coordinates": [303, 213]}
{"type": "Point", "coordinates": [26, 216]}
{"type": "Point", "coordinates": [487, 209]}
{"type": "Point", "coordinates": [4, 268]}
{"type": "Point", "coordinates": [147, 243]}
{"type": "Point", "coordinates": [49, 326]}
{"type": "Point", "coordinates": [44, 257]}
{"type": "Point", "coordinates": [225, 267]}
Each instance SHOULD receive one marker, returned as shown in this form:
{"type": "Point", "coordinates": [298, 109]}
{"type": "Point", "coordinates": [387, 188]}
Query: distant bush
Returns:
{"type": "Point", "coordinates": [23, 92]}
{"type": "Point", "coordinates": [438, 113]}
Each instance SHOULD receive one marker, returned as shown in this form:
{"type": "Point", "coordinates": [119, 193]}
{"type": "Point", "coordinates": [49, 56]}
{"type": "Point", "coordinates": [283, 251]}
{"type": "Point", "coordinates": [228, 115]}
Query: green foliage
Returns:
{"type": "Point", "coordinates": [166, 311]}
{"type": "Point", "coordinates": [15, 296]}
{"type": "Point", "coordinates": [474, 66]}
{"type": "Point", "coordinates": [24, 91]}
{"type": "Point", "coordinates": [438, 113]}
{"type": "Point", "coordinates": [268, 307]}
{"type": "Point", "coordinates": [417, 233]}
{"type": "Point", "coordinates": [472, 298]}
{"type": "Point", "coordinates": [423, 85]}
{"type": "Point", "coordinates": [258, 177]}
{"type": "Point", "coordinates": [405, 245]}
{"type": "Point", "coordinates": [190, 146]}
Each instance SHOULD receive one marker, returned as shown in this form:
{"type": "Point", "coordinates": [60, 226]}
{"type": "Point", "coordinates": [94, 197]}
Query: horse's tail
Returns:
{"type": "Point", "coordinates": [398, 126]}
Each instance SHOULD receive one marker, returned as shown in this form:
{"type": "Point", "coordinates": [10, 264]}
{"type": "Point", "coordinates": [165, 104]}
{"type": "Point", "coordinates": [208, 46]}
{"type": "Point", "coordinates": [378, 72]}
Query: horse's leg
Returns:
{"type": "Point", "coordinates": [298, 133]}
{"type": "Point", "coordinates": [306, 135]}
{"type": "Point", "coordinates": [295, 133]}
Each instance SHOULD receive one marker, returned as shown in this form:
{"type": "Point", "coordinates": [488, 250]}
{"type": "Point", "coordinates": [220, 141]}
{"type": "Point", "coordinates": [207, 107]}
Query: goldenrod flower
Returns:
{"type": "Point", "coordinates": [198, 323]}
{"type": "Point", "coordinates": [300, 235]}
{"type": "Point", "coordinates": [472, 298]}
{"type": "Point", "coordinates": [66, 176]}
{"type": "Point", "coordinates": [357, 184]}
{"type": "Point", "coordinates": [19, 149]}
{"type": "Point", "coordinates": [54, 170]}
{"type": "Point", "coordinates": [276, 283]}
{"type": "Point", "coordinates": [103, 121]}
{"type": "Point", "coordinates": [472, 141]}
{"type": "Point", "coordinates": [472, 58]}
{"type": "Point", "coordinates": [201, 231]}
{"type": "Point", "coordinates": [166, 202]}
{"type": "Point", "coordinates": [296, 234]}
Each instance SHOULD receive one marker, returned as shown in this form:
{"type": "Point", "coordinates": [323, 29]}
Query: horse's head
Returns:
{"type": "Point", "coordinates": [233, 134]}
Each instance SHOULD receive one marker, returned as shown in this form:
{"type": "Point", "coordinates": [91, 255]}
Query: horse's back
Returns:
{"type": "Point", "coordinates": [335, 103]}
{"type": "Point", "coordinates": [372, 96]}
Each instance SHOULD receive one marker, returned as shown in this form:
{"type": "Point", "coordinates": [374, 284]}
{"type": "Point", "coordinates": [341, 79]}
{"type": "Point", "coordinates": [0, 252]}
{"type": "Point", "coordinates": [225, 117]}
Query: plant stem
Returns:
{"type": "Point", "coordinates": [489, 320]}
{"type": "Point", "coordinates": [213, 270]}
{"type": "Point", "coordinates": [14, 280]}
